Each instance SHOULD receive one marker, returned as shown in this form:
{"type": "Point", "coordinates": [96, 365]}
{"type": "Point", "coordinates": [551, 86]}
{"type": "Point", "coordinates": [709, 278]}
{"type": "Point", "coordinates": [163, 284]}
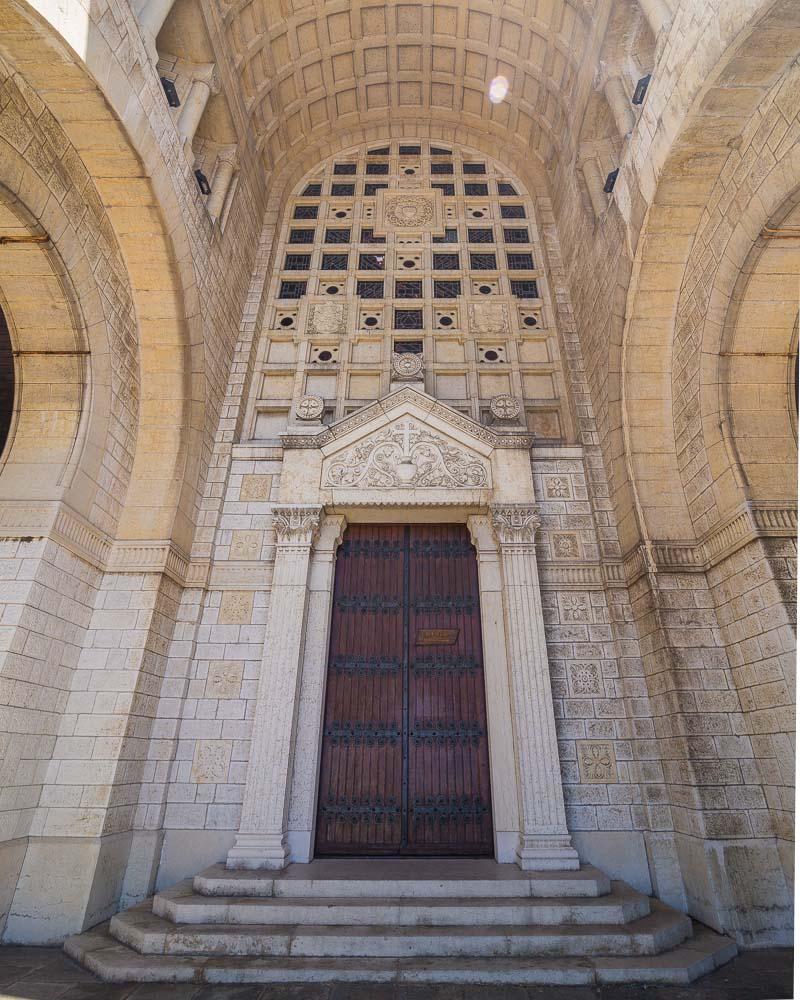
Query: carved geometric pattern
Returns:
{"type": "Point", "coordinates": [406, 455]}
{"type": "Point", "coordinates": [585, 680]}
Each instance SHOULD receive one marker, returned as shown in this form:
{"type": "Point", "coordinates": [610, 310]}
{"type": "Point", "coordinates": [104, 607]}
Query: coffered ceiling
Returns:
{"type": "Point", "coordinates": [312, 68]}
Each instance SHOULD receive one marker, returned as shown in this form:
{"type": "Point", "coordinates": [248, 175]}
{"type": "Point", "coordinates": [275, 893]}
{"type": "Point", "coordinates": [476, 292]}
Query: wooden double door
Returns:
{"type": "Point", "coordinates": [405, 763]}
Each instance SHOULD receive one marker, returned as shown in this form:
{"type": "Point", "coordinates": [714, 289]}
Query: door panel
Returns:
{"type": "Point", "coordinates": [405, 766]}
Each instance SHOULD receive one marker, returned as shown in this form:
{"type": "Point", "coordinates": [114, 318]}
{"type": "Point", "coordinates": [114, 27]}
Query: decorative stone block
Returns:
{"type": "Point", "coordinates": [597, 762]}
{"type": "Point", "coordinates": [211, 761]}
{"type": "Point", "coordinates": [566, 545]}
{"type": "Point", "coordinates": [255, 487]}
{"type": "Point", "coordinates": [489, 318]}
{"type": "Point", "coordinates": [585, 679]}
{"type": "Point", "coordinates": [574, 607]}
{"type": "Point", "coordinates": [224, 679]}
{"type": "Point", "coordinates": [558, 487]}
{"type": "Point", "coordinates": [245, 544]}
{"type": "Point", "coordinates": [327, 318]}
{"type": "Point", "coordinates": [236, 608]}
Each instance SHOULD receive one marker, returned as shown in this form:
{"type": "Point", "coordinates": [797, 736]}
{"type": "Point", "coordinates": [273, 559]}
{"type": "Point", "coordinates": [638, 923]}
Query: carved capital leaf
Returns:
{"type": "Point", "coordinates": [296, 524]}
{"type": "Point", "coordinates": [515, 523]}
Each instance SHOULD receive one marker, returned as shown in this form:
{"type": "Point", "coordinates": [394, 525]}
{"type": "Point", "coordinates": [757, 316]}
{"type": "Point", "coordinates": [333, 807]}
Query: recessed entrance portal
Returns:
{"type": "Point", "coordinates": [405, 762]}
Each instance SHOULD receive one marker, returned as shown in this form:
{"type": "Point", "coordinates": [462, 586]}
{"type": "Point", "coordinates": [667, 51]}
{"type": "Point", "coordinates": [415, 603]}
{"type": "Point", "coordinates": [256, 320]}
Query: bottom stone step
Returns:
{"type": "Point", "coordinates": [114, 962]}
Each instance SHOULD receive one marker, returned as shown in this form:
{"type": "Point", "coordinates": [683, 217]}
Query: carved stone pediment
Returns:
{"type": "Point", "coordinates": [406, 455]}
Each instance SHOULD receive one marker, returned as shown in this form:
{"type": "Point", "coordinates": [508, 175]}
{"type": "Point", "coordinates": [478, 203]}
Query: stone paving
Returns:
{"type": "Point", "coordinates": [47, 974]}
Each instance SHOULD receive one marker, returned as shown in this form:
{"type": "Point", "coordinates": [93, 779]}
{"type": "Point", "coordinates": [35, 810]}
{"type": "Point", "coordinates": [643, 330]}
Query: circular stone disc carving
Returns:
{"type": "Point", "coordinates": [310, 407]}
{"type": "Point", "coordinates": [407, 366]}
{"type": "Point", "coordinates": [409, 210]}
{"type": "Point", "coordinates": [505, 407]}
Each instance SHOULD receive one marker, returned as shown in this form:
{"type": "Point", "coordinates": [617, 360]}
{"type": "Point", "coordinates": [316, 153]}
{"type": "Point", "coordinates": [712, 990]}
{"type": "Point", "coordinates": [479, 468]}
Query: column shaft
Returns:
{"type": "Point", "coordinates": [544, 840]}
{"type": "Point", "coordinates": [193, 108]}
{"type": "Point", "coordinates": [223, 176]}
{"type": "Point", "coordinates": [657, 13]}
{"type": "Point", "coordinates": [594, 182]}
{"type": "Point", "coordinates": [620, 105]}
{"type": "Point", "coordinates": [262, 838]}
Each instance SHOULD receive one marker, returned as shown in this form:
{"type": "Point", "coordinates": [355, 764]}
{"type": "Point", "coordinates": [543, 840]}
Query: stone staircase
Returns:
{"type": "Point", "coordinates": [410, 921]}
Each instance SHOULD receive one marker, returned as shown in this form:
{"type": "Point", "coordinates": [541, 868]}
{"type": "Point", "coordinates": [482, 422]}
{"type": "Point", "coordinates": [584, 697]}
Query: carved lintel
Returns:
{"type": "Point", "coordinates": [296, 524]}
{"type": "Point", "coordinates": [515, 523]}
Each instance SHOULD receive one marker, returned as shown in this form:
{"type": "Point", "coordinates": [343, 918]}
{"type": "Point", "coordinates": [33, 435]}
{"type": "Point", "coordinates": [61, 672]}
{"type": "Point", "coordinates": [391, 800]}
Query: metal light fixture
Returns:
{"type": "Point", "coordinates": [171, 91]}
{"type": "Point", "coordinates": [611, 180]}
{"type": "Point", "coordinates": [641, 90]}
{"type": "Point", "coordinates": [202, 182]}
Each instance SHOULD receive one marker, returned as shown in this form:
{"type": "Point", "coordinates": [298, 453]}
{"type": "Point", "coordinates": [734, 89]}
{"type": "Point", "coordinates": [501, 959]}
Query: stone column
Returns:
{"type": "Point", "coordinates": [620, 105]}
{"type": "Point", "coordinates": [502, 762]}
{"type": "Point", "coordinates": [544, 841]}
{"type": "Point", "coordinates": [312, 689]}
{"type": "Point", "coordinates": [223, 175]}
{"type": "Point", "coordinates": [594, 182]}
{"type": "Point", "coordinates": [151, 16]}
{"type": "Point", "coordinates": [192, 112]}
{"type": "Point", "coordinates": [262, 838]}
{"type": "Point", "coordinates": [657, 13]}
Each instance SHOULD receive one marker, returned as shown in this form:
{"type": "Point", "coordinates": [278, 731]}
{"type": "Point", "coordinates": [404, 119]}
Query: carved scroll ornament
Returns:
{"type": "Point", "coordinates": [406, 456]}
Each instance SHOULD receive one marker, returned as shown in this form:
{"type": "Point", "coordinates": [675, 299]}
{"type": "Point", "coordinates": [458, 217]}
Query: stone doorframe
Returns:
{"type": "Point", "coordinates": [406, 458]}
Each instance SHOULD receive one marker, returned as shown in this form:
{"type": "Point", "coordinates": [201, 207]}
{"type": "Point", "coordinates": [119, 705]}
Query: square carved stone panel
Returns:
{"type": "Point", "coordinates": [597, 762]}
{"type": "Point", "coordinates": [400, 211]}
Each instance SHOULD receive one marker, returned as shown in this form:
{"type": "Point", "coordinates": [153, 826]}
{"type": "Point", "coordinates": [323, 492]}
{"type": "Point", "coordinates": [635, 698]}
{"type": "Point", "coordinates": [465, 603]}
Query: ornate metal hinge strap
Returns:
{"type": "Point", "coordinates": [445, 809]}
{"type": "Point", "coordinates": [371, 548]}
{"type": "Point", "coordinates": [368, 602]}
{"type": "Point", "coordinates": [359, 810]}
{"type": "Point", "coordinates": [456, 603]}
{"type": "Point", "coordinates": [457, 664]}
{"type": "Point", "coordinates": [429, 732]}
{"type": "Point", "coordinates": [435, 548]}
{"type": "Point", "coordinates": [362, 734]}
{"type": "Point", "coordinates": [366, 665]}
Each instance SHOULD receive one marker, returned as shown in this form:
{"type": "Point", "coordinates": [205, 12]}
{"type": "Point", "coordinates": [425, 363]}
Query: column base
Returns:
{"type": "Point", "coordinates": [547, 853]}
{"type": "Point", "coordinates": [258, 850]}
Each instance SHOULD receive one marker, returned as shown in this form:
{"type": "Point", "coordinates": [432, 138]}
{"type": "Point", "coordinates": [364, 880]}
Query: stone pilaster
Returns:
{"type": "Point", "coordinates": [594, 183]}
{"type": "Point", "coordinates": [262, 838]}
{"type": "Point", "coordinates": [312, 689]}
{"type": "Point", "coordinates": [544, 840]}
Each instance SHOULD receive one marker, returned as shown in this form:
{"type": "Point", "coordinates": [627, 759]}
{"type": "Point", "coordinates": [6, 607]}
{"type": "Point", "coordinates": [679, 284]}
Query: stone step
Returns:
{"type": "Point", "coordinates": [183, 906]}
{"type": "Point", "coordinates": [115, 962]}
{"type": "Point", "coordinates": [142, 930]}
{"type": "Point", "coordinates": [424, 878]}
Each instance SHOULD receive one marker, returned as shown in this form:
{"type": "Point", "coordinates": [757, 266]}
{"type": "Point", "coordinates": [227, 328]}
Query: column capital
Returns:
{"type": "Point", "coordinates": [296, 523]}
{"type": "Point", "coordinates": [515, 523]}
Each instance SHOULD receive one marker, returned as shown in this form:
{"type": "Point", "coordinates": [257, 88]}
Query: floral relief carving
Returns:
{"type": "Point", "coordinates": [557, 487]}
{"type": "Point", "coordinates": [565, 546]}
{"type": "Point", "coordinates": [406, 455]}
{"type": "Point", "coordinates": [407, 367]}
{"type": "Point", "coordinates": [585, 680]}
{"type": "Point", "coordinates": [574, 608]}
{"type": "Point", "coordinates": [596, 761]}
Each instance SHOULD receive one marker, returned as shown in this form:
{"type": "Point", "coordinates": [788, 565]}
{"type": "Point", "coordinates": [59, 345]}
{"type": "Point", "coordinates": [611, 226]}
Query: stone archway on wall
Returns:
{"type": "Point", "coordinates": [325, 481]}
{"type": "Point", "coordinates": [731, 166]}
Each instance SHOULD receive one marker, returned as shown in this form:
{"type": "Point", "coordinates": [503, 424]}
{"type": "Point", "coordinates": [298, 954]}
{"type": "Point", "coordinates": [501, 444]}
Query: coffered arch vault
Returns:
{"type": "Point", "coordinates": [308, 68]}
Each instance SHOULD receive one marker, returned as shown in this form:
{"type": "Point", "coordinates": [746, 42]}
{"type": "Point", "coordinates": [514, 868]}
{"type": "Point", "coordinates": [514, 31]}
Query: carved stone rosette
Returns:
{"type": "Point", "coordinates": [407, 367]}
{"type": "Point", "coordinates": [515, 523]}
{"type": "Point", "coordinates": [310, 407]}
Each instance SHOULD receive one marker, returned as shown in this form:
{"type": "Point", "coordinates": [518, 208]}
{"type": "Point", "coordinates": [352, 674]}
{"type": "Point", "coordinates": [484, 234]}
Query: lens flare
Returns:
{"type": "Point", "coordinates": [498, 89]}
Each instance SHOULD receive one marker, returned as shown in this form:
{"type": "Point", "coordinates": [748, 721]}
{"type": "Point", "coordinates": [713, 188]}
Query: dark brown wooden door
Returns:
{"type": "Point", "coordinates": [405, 763]}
